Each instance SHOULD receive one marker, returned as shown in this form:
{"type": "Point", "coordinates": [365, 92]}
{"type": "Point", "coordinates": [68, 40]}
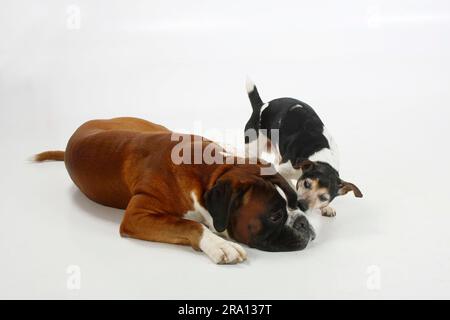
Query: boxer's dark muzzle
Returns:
{"type": "Point", "coordinates": [302, 224]}
{"type": "Point", "coordinates": [286, 238]}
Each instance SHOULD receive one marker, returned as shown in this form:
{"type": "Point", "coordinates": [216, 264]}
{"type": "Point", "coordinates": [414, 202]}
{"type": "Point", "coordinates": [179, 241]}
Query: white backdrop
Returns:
{"type": "Point", "coordinates": [377, 72]}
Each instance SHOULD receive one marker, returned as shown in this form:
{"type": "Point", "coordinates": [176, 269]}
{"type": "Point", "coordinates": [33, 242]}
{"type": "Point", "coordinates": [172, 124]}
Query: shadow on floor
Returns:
{"type": "Point", "coordinates": [94, 209]}
{"type": "Point", "coordinates": [114, 216]}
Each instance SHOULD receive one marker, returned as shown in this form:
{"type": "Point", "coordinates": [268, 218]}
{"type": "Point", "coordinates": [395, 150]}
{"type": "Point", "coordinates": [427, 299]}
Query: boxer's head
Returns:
{"type": "Point", "coordinates": [260, 211]}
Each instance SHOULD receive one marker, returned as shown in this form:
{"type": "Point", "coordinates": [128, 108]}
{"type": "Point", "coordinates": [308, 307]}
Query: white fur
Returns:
{"type": "Point", "coordinates": [282, 194]}
{"type": "Point", "coordinates": [293, 183]}
{"type": "Point", "coordinates": [263, 107]}
{"type": "Point", "coordinates": [331, 155]}
{"type": "Point", "coordinates": [194, 216]}
{"type": "Point", "coordinates": [289, 172]}
{"type": "Point", "coordinates": [200, 214]}
{"type": "Point", "coordinates": [219, 250]}
{"type": "Point", "coordinates": [249, 85]}
{"type": "Point", "coordinates": [328, 211]}
{"type": "Point", "coordinates": [292, 213]}
{"type": "Point", "coordinates": [327, 155]}
{"type": "Point", "coordinates": [257, 148]}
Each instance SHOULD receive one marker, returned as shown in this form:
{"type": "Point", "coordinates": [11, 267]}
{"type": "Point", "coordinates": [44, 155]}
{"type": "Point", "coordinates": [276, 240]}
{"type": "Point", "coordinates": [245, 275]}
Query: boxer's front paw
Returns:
{"type": "Point", "coordinates": [328, 212]}
{"type": "Point", "coordinates": [221, 251]}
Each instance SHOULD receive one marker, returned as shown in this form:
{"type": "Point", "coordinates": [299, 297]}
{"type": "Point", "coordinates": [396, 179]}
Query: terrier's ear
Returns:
{"type": "Point", "coordinates": [345, 187]}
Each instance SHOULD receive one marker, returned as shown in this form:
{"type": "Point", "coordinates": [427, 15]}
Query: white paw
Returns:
{"type": "Point", "coordinates": [328, 212]}
{"type": "Point", "coordinates": [221, 251]}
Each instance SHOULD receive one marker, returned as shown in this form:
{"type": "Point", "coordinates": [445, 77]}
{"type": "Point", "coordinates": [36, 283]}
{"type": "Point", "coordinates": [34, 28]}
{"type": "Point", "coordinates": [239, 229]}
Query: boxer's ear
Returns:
{"type": "Point", "coordinates": [290, 193]}
{"type": "Point", "coordinates": [220, 201]}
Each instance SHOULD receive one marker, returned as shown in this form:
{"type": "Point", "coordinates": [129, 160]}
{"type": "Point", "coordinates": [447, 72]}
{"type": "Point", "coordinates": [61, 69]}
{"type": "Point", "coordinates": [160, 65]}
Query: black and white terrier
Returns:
{"type": "Point", "coordinates": [300, 147]}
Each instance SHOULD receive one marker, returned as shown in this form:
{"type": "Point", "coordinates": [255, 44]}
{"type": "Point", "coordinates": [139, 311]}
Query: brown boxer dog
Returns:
{"type": "Point", "coordinates": [128, 163]}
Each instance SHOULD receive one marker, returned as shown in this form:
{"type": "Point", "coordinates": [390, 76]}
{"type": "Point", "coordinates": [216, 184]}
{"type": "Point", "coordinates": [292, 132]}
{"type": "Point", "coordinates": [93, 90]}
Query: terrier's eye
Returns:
{"type": "Point", "coordinates": [307, 184]}
{"type": "Point", "coordinates": [323, 198]}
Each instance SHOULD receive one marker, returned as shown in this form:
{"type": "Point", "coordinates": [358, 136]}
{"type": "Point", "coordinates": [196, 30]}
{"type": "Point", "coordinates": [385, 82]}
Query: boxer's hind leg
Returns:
{"type": "Point", "coordinates": [142, 222]}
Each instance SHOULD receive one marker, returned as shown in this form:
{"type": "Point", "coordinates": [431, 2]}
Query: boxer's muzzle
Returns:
{"type": "Point", "coordinates": [292, 236]}
{"type": "Point", "coordinates": [302, 225]}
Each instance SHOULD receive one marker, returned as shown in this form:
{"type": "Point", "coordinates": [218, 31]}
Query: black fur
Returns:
{"type": "Point", "coordinates": [276, 235]}
{"type": "Point", "coordinates": [225, 206]}
{"type": "Point", "coordinates": [220, 202]}
{"type": "Point", "coordinates": [300, 128]}
{"type": "Point", "coordinates": [283, 238]}
{"type": "Point", "coordinates": [300, 133]}
{"type": "Point", "coordinates": [327, 177]}
{"type": "Point", "coordinates": [290, 193]}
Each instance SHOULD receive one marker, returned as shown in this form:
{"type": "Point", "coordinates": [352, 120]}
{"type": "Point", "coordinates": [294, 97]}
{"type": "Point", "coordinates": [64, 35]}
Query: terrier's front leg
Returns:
{"type": "Point", "coordinates": [328, 211]}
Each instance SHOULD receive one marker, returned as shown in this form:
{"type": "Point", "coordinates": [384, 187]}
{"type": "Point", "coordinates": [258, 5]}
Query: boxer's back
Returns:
{"type": "Point", "coordinates": [97, 153]}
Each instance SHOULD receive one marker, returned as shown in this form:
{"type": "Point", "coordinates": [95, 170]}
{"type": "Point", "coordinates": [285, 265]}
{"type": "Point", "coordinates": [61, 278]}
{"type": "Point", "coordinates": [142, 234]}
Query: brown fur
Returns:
{"type": "Point", "coordinates": [347, 187]}
{"type": "Point", "coordinates": [49, 156]}
{"type": "Point", "coordinates": [126, 163]}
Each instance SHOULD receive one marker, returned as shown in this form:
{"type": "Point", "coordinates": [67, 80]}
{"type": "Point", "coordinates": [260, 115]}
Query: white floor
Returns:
{"type": "Point", "coordinates": [377, 72]}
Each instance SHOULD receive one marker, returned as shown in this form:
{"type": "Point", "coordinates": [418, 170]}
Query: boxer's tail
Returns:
{"type": "Point", "coordinates": [49, 156]}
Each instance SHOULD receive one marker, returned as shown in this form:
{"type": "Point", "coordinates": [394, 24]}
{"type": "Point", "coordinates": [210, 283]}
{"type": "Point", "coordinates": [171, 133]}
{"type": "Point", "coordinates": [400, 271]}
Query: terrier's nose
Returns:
{"type": "Point", "coordinates": [303, 205]}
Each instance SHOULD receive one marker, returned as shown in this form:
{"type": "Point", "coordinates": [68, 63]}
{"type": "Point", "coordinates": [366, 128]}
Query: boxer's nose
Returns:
{"type": "Point", "coordinates": [302, 224]}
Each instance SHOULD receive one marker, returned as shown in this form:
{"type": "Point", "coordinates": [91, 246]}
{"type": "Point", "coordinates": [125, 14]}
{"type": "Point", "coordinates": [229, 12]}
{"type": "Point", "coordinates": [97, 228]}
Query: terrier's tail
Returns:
{"type": "Point", "coordinates": [253, 95]}
{"type": "Point", "coordinates": [252, 127]}
{"type": "Point", "coordinates": [49, 156]}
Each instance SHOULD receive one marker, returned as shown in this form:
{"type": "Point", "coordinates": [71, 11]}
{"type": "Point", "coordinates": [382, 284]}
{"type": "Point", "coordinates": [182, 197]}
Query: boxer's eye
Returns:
{"type": "Point", "coordinates": [276, 216]}
{"type": "Point", "coordinates": [307, 184]}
